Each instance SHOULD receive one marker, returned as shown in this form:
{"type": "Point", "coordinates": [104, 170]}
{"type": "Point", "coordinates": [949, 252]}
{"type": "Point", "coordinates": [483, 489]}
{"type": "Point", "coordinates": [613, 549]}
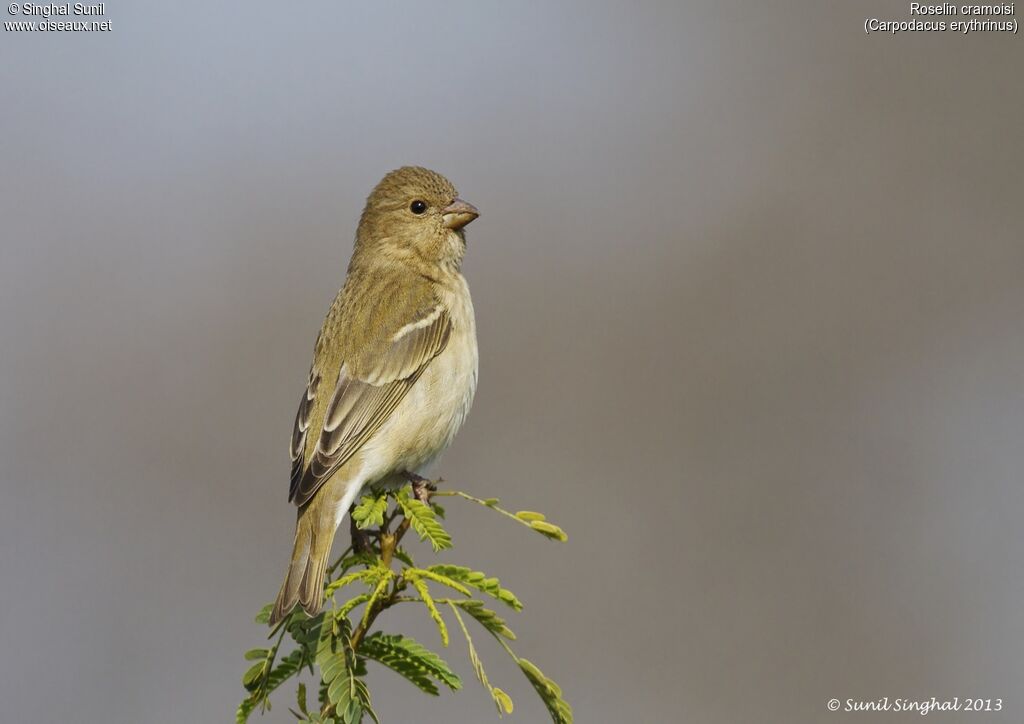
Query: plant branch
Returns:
{"type": "Point", "coordinates": [388, 543]}
{"type": "Point", "coordinates": [491, 503]}
{"type": "Point", "coordinates": [377, 559]}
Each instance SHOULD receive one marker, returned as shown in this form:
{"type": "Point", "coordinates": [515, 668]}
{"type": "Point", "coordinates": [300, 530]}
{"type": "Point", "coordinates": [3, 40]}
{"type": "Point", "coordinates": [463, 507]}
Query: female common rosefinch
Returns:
{"type": "Point", "coordinates": [394, 367]}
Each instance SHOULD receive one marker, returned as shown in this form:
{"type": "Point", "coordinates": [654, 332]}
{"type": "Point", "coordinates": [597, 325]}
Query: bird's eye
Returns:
{"type": "Point", "coordinates": [418, 207]}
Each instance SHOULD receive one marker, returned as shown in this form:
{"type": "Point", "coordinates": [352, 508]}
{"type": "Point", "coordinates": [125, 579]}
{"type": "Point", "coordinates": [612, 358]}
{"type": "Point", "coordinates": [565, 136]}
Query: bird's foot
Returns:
{"type": "Point", "coordinates": [421, 487]}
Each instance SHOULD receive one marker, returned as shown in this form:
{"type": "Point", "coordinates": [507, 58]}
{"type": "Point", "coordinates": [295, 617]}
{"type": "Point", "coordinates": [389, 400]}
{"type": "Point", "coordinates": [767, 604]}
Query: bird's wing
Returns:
{"type": "Point", "coordinates": [369, 388]}
{"type": "Point", "coordinates": [297, 448]}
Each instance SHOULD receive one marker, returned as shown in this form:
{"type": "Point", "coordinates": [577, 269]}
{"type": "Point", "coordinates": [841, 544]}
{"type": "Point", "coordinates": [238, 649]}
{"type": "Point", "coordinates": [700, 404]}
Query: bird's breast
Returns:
{"type": "Point", "coordinates": [432, 412]}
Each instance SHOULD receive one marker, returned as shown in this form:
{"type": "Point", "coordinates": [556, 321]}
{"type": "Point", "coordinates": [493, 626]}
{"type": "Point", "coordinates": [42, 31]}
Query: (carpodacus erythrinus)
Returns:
{"type": "Point", "coordinates": [394, 367]}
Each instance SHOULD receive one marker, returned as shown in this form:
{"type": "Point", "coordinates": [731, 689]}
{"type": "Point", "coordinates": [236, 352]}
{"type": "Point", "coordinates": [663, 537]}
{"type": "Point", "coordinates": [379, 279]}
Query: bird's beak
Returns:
{"type": "Point", "coordinates": [458, 214]}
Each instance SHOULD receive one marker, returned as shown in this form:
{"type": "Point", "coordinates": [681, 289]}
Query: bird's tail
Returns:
{"type": "Point", "coordinates": [304, 584]}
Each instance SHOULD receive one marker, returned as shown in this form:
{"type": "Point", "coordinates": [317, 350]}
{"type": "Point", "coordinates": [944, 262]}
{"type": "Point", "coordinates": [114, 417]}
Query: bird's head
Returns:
{"type": "Point", "coordinates": [414, 210]}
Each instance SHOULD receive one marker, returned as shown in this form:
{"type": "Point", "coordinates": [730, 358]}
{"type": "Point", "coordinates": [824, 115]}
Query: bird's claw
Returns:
{"type": "Point", "coordinates": [421, 487]}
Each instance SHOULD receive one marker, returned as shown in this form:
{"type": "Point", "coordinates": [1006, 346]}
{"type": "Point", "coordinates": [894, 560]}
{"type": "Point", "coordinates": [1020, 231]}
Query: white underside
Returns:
{"type": "Point", "coordinates": [427, 419]}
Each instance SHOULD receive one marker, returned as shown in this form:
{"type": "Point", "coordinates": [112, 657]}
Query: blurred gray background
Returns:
{"type": "Point", "coordinates": [749, 293]}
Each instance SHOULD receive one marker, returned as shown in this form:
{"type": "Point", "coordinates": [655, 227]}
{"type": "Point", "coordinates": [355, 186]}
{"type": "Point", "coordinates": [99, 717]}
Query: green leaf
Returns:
{"type": "Point", "coordinates": [353, 702]}
{"type": "Point", "coordinates": [424, 521]}
{"type": "Point", "coordinates": [370, 511]}
{"type": "Point", "coordinates": [385, 578]}
{"type": "Point", "coordinates": [409, 670]}
{"type": "Point", "coordinates": [342, 686]}
{"type": "Point", "coordinates": [550, 693]}
{"type": "Point", "coordinates": [356, 559]}
{"type": "Point", "coordinates": [369, 576]}
{"type": "Point", "coordinates": [332, 666]}
{"type": "Point", "coordinates": [439, 578]}
{"type": "Point", "coordinates": [350, 604]}
{"type": "Point", "coordinates": [486, 618]}
{"type": "Point", "coordinates": [246, 708]}
{"type": "Point", "coordinates": [501, 699]}
{"type": "Point", "coordinates": [338, 674]}
{"type": "Point", "coordinates": [537, 521]}
{"type": "Point", "coordinates": [479, 581]}
{"type": "Point", "coordinates": [411, 575]}
{"type": "Point", "coordinates": [411, 659]}
{"type": "Point", "coordinates": [285, 669]}
{"type": "Point", "coordinates": [414, 675]}
{"type": "Point", "coordinates": [549, 530]}
{"type": "Point", "coordinates": [251, 679]}
{"type": "Point", "coordinates": [305, 631]}
{"type": "Point", "coordinates": [342, 693]}
{"type": "Point", "coordinates": [264, 615]}
{"type": "Point", "coordinates": [329, 646]}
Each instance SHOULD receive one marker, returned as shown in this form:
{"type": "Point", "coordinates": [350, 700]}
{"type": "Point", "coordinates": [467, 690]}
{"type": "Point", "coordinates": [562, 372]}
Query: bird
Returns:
{"type": "Point", "coordinates": [394, 367]}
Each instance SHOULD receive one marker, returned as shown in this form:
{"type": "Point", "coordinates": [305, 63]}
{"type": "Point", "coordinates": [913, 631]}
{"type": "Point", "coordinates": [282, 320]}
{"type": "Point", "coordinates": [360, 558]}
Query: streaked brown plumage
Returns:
{"type": "Point", "coordinates": [394, 367]}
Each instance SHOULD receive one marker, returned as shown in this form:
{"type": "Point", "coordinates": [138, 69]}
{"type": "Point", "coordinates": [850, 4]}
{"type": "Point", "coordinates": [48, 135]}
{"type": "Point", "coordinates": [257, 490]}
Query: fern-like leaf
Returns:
{"type": "Point", "coordinates": [501, 700]}
{"type": "Point", "coordinates": [529, 518]}
{"type": "Point", "coordinates": [549, 530]}
{"type": "Point", "coordinates": [549, 692]}
{"type": "Point", "coordinates": [245, 709]}
{"type": "Point", "coordinates": [350, 604]}
{"type": "Point", "coordinates": [439, 578]}
{"type": "Point", "coordinates": [486, 618]}
{"type": "Point", "coordinates": [411, 575]}
{"type": "Point", "coordinates": [409, 658]}
{"type": "Point", "coordinates": [267, 682]}
{"type": "Point", "coordinates": [285, 669]}
{"type": "Point", "coordinates": [351, 701]}
{"type": "Point", "coordinates": [369, 575]}
{"type": "Point", "coordinates": [370, 511]}
{"type": "Point", "coordinates": [340, 677]}
{"type": "Point", "coordinates": [252, 679]}
{"type": "Point", "coordinates": [424, 521]}
{"type": "Point", "coordinates": [479, 581]}
{"type": "Point", "coordinates": [386, 575]}
{"type": "Point", "coordinates": [264, 615]}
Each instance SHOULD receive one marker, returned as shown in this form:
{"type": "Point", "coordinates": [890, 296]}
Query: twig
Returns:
{"type": "Point", "coordinates": [480, 501]}
{"type": "Point", "coordinates": [388, 543]}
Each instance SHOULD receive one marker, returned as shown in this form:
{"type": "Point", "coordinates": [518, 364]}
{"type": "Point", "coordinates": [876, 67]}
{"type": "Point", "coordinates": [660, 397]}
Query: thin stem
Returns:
{"type": "Point", "coordinates": [388, 543]}
{"type": "Point", "coordinates": [480, 501]}
{"type": "Point", "coordinates": [270, 665]}
{"type": "Point", "coordinates": [416, 599]}
{"type": "Point", "coordinates": [382, 605]}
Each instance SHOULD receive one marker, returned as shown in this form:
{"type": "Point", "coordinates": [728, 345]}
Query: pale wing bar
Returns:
{"type": "Point", "coordinates": [362, 402]}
